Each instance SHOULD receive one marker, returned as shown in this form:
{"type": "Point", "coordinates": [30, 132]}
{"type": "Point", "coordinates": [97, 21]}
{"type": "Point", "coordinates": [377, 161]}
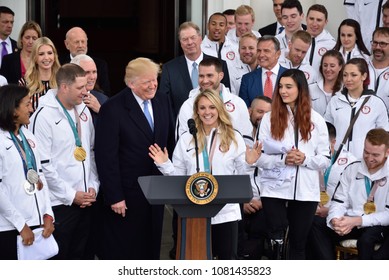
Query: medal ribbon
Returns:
{"type": "Point", "coordinates": [76, 130]}
{"type": "Point", "coordinates": [327, 172]}
{"type": "Point", "coordinates": [25, 151]}
{"type": "Point", "coordinates": [370, 190]}
{"type": "Point", "coordinates": [208, 159]}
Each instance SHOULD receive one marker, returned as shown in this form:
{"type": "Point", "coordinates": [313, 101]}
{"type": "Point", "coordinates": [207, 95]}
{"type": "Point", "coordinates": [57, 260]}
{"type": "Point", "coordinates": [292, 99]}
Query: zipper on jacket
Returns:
{"type": "Point", "coordinates": [37, 208]}
{"type": "Point", "coordinates": [83, 170]}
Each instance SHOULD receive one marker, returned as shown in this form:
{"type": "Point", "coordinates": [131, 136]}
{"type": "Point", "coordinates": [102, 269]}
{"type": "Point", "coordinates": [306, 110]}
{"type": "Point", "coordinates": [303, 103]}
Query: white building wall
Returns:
{"type": "Point", "coordinates": [20, 9]}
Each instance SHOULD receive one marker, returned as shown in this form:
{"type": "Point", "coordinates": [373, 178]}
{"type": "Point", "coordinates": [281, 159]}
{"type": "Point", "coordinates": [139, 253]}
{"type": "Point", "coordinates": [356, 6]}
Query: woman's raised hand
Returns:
{"type": "Point", "coordinates": [253, 154]}
{"type": "Point", "coordinates": [157, 154]}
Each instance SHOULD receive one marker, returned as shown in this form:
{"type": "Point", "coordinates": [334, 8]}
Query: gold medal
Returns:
{"type": "Point", "coordinates": [324, 198]}
{"type": "Point", "coordinates": [80, 154]}
{"type": "Point", "coordinates": [369, 207]}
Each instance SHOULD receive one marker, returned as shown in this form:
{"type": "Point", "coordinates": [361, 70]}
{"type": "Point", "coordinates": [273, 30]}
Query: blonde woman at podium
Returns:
{"type": "Point", "coordinates": [221, 151]}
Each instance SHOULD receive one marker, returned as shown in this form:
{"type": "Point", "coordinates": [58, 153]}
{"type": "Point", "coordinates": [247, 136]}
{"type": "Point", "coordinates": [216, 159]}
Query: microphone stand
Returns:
{"type": "Point", "coordinates": [197, 151]}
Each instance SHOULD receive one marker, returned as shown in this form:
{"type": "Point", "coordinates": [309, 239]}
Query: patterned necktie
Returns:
{"type": "Point", "coordinates": [195, 75]}
{"type": "Point", "coordinates": [147, 114]}
{"type": "Point", "coordinates": [4, 49]}
{"type": "Point", "coordinates": [268, 89]}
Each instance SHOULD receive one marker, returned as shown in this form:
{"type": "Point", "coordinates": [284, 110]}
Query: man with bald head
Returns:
{"type": "Point", "coordinates": [76, 42]}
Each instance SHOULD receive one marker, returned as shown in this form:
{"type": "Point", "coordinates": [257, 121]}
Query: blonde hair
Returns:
{"type": "Point", "coordinates": [138, 67]}
{"type": "Point", "coordinates": [245, 10]}
{"type": "Point", "coordinates": [33, 81]}
{"type": "Point", "coordinates": [29, 25]}
{"type": "Point", "coordinates": [225, 128]}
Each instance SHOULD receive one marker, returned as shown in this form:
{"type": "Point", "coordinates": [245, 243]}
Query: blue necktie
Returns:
{"type": "Point", "coordinates": [4, 50]}
{"type": "Point", "coordinates": [280, 29]}
{"type": "Point", "coordinates": [195, 75]}
{"type": "Point", "coordinates": [147, 114]}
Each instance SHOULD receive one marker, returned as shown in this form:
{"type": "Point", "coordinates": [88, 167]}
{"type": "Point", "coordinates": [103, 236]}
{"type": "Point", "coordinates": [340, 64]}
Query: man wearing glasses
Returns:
{"type": "Point", "coordinates": [379, 64]}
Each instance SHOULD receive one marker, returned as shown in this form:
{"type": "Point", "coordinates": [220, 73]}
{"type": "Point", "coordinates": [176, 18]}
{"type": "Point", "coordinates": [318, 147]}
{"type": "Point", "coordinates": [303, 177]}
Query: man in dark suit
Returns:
{"type": "Point", "coordinates": [7, 45]}
{"type": "Point", "coordinates": [76, 42]}
{"type": "Point", "coordinates": [176, 80]}
{"type": "Point", "coordinates": [128, 124]}
{"type": "Point", "coordinates": [275, 27]}
{"type": "Point", "coordinates": [267, 75]}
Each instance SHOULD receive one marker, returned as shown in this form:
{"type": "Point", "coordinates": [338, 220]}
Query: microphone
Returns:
{"type": "Point", "coordinates": [193, 131]}
{"type": "Point", "coordinates": [192, 127]}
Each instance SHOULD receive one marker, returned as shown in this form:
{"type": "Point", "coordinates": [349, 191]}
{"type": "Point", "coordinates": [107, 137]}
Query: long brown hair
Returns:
{"type": "Point", "coordinates": [302, 111]}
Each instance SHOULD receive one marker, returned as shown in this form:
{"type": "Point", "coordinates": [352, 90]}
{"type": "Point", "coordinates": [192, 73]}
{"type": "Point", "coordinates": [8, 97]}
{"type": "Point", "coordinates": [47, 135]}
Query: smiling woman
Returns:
{"type": "Point", "coordinates": [24, 196]}
{"type": "Point", "coordinates": [40, 74]}
{"type": "Point", "coordinates": [221, 152]}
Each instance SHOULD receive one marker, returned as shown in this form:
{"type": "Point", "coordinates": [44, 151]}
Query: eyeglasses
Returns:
{"type": "Point", "coordinates": [381, 44]}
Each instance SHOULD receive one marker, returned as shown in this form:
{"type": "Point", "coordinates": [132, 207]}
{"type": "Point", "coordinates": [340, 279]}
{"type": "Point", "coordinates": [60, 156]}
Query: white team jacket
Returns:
{"type": "Point", "coordinates": [380, 83]}
{"type": "Point", "coordinates": [18, 208]}
{"type": "Point", "coordinates": [236, 70]}
{"type": "Point", "coordinates": [373, 115]}
{"type": "Point", "coordinates": [323, 42]}
{"type": "Point", "coordinates": [234, 105]}
{"type": "Point", "coordinates": [355, 53]}
{"type": "Point", "coordinates": [350, 196]}
{"type": "Point", "coordinates": [229, 50]}
{"type": "Point", "coordinates": [310, 73]}
{"type": "Point", "coordinates": [337, 168]}
{"type": "Point", "coordinates": [64, 174]}
{"type": "Point", "coordinates": [319, 97]}
{"type": "Point", "coordinates": [306, 186]}
{"type": "Point", "coordinates": [231, 35]}
{"type": "Point", "coordinates": [230, 163]}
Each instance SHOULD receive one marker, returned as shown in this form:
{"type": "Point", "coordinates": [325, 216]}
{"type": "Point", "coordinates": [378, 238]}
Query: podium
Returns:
{"type": "Point", "coordinates": [194, 225]}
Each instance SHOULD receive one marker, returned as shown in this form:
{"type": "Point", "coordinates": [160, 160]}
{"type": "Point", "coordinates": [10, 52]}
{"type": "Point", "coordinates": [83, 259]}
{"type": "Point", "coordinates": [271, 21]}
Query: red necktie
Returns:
{"type": "Point", "coordinates": [268, 89]}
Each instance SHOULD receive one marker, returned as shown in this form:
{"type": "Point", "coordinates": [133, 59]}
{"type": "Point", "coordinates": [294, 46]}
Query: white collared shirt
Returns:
{"type": "Point", "coordinates": [273, 77]}
{"type": "Point", "coordinates": [189, 63]}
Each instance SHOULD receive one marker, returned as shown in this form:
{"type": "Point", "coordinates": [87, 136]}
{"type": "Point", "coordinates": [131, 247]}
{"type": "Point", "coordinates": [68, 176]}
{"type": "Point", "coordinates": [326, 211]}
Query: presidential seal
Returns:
{"type": "Point", "coordinates": [201, 188]}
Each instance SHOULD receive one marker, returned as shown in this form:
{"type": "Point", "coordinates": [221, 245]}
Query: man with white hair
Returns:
{"type": "Point", "coordinates": [76, 42]}
{"type": "Point", "coordinates": [93, 99]}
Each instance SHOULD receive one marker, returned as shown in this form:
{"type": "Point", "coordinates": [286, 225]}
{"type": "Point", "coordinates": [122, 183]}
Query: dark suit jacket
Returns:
{"type": "Point", "coordinates": [175, 81]}
{"type": "Point", "coordinates": [102, 72]}
{"type": "Point", "coordinates": [123, 137]}
{"type": "Point", "coordinates": [271, 29]}
{"type": "Point", "coordinates": [251, 85]}
{"type": "Point", "coordinates": [11, 68]}
{"type": "Point", "coordinates": [101, 97]}
{"type": "Point", "coordinates": [14, 45]}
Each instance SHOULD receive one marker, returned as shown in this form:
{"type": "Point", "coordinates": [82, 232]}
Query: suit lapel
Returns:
{"type": "Point", "coordinates": [260, 80]}
{"type": "Point", "coordinates": [137, 115]}
{"type": "Point", "coordinates": [183, 70]}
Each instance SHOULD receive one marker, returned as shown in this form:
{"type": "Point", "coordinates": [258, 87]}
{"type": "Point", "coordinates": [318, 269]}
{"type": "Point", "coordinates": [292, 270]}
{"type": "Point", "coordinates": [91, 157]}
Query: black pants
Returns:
{"type": "Point", "coordinates": [72, 227]}
{"type": "Point", "coordinates": [298, 215]}
{"type": "Point", "coordinates": [252, 235]}
{"type": "Point", "coordinates": [322, 240]}
{"type": "Point", "coordinates": [225, 241]}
